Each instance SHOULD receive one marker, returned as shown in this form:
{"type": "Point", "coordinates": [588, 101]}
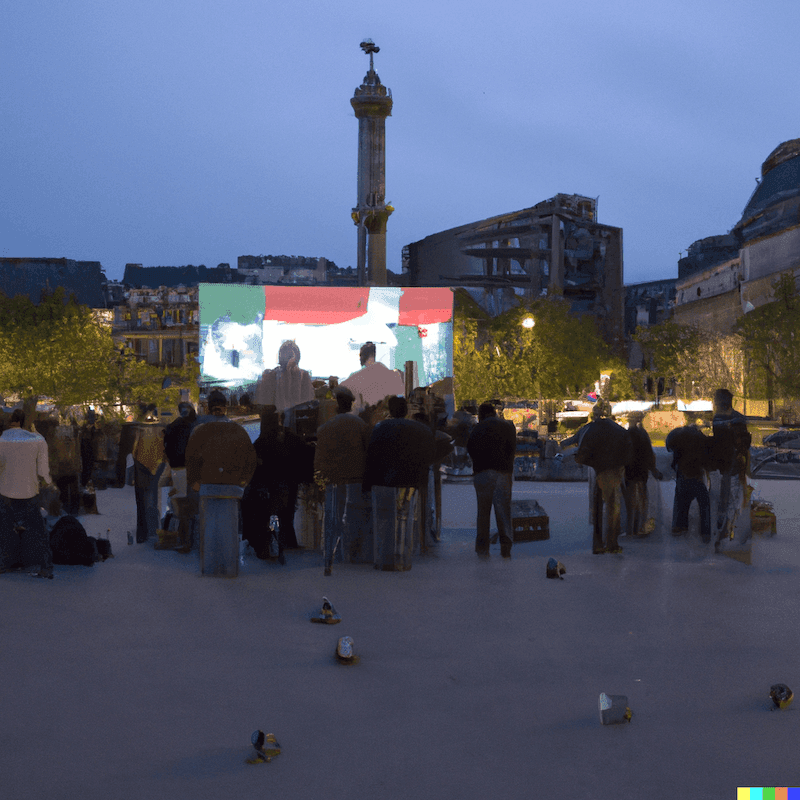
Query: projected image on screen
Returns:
{"type": "Point", "coordinates": [242, 329]}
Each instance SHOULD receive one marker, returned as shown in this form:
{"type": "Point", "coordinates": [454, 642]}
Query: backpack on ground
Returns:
{"type": "Point", "coordinates": [71, 545]}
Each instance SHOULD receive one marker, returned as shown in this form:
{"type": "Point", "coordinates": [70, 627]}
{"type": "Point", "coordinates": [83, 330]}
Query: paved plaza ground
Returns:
{"type": "Point", "coordinates": [139, 678]}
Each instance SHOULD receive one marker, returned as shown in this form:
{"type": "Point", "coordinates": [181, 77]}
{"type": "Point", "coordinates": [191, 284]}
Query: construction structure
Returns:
{"type": "Point", "coordinates": [555, 247]}
{"type": "Point", "coordinates": [372, 103]}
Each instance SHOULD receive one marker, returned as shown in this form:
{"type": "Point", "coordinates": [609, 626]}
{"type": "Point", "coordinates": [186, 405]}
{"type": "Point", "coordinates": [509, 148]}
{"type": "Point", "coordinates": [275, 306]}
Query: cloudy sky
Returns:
{"type": "Point", "coordinates": [169, 132]}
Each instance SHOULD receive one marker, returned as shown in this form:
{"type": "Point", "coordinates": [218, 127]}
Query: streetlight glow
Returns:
{"type": "Point", "coordinates": [528, 322]}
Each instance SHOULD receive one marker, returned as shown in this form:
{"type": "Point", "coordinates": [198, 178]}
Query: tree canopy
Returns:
{"type": "Point", "coordinates": [58, 349]}
{"type": "Point", "coordinates": [557, 357]}
{"type": "Point", "coordinates": [770, 338]}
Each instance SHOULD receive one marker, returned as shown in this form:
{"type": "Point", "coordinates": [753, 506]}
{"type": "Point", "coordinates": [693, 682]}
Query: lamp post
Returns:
{"type": "Point", "coordinates": [528, 323]}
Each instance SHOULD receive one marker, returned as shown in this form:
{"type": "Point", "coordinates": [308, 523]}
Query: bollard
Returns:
{"type": "Point", "coordinates": [219, 529]}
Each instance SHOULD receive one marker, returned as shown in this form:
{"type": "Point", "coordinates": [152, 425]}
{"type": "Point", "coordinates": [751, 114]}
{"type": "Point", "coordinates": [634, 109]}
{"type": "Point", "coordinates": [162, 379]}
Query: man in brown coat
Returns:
{"type": "Point", "coordinates": [220, 460]}
{"type": "Point", "coordinates": [339, 462]}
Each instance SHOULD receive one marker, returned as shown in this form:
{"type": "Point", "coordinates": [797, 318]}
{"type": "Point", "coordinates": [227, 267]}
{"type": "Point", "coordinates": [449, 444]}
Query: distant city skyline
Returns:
{"type": "Point", "coordinates": [170, 133]}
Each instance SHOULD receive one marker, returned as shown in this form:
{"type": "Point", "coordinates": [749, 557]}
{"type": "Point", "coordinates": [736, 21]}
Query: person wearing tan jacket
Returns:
{"type": "Point", "coordinates": [220, 460]}
{"type": "Point", "coordinates": [148, 465]}
{"type": "Point", "coordinates": [339, 461]}
{"type": "Point", "coordinates": [219, 452]}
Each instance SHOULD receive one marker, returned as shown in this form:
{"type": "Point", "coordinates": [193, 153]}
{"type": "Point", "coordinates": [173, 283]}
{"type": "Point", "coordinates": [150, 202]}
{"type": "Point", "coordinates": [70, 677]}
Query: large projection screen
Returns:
{"type": "Point", "coordinates": [243, 326]}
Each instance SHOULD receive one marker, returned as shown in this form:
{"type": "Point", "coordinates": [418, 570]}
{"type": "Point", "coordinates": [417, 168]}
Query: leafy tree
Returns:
{"type": "Point", "coordinates": [672, 348]}
{"type": "Point", "coordinates": [470, 358]}
{"type": "Point", "coordinates": [559, 356]}
{"type": "Point", "coordinates": [673, 351]}
{"type": "Point", "coordinates": [58, 349]}
{"type": "Point", "coordinates": [770, 339]}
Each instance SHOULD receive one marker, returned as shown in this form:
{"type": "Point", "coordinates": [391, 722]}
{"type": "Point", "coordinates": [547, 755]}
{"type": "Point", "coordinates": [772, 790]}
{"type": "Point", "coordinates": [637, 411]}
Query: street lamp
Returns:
{"type": "Point", "coordinates": [528, 323]}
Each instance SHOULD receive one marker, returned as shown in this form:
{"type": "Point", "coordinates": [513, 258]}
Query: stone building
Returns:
{"type": "Point", "coordinates": [738, 274]}
{"type": "Point", "coordinates": [156, 313]}
{"type": "Point", "coordinates": [556, 246]}
{"type": "Point", "coordinates": [646, 304]}
{"type": "Point", "coordinates": [768, 240]}
{"type": "Point", "coordinates": [160, 326]}
{"type": "Point", "coordinates": [283, 269]}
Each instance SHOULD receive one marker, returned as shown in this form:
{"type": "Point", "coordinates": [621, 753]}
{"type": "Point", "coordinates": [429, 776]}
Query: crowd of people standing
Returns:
{"type": "Point", "coordinates": [376, 460]}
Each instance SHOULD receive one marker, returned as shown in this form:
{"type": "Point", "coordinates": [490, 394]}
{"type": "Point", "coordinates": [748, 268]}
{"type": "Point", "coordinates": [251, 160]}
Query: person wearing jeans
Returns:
{"type": "Point", "coordinates": [690, 452]}
{"type": "Point", "coordinates": [23, 462]}
{"type": "Point", "coordinates": [492, 446]}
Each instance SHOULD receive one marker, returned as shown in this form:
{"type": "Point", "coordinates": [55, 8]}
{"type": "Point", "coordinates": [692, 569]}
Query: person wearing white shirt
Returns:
{"type": "Point", "coordinates": [23, 461]}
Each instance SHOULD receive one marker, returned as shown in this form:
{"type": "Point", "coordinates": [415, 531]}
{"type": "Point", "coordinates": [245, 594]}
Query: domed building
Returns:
{"type": "Point", "coordinates": [774, 204]}
{"type": "Point", "coordinates": [724, 277]}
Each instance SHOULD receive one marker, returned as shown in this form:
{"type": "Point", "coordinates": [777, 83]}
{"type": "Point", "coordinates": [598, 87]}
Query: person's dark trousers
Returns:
{"type": "Point", "coordinates": [34, 541]}
{"type": "Point", "coordinates": [724, 511]}
{"type": "Point", "coordinates": [69, 489]}
{"type": "Point", "coordinates": [607, 508]}
{"type": "Point", "coordinates": [635, 494]}
{"type": "Point", "coordinates": [283, 502]}
{"type": "Point", "coordinates": [493, 490]}
{"type": "Point", "coordinates": [9, 538]}
{"type": "Point", "coordinates": [687, 490]}
{"type": "Point", "coordinates": [393, 512]}
{"type": "Point", "coordinates": [146, 493]}
{"type": "Point", "coordinates": [335, 499]}
{"type": "Point", "coordinates": [255, 509]}
{"type": "Point", "coordinates": [359, 543]}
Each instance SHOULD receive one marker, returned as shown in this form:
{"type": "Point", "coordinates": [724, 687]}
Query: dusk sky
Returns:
{"type": "Point", "coordinates": [172, 132]}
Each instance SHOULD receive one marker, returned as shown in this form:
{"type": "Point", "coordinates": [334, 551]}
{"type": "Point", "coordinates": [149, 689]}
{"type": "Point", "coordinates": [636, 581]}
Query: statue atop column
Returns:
{"type": "Point", "coordinates": [372, 103]}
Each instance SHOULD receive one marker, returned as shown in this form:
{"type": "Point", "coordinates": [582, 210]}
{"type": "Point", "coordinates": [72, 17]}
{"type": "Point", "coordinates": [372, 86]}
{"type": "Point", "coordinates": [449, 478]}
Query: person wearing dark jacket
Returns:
{"type": "Point", "coordinates": [642, 463]}
{"type": "Point", "coordinates": [398, 456]}
{"type": "Point", "coordinates": [730, 449]}
{"type": "Point", "coordinates": [184, 503]}
{"type": "Point", "coordinates": [176, 437]}
{"type": "Point", "coordinates": [690, 459]}
{"type": "Point", "coordinates": [283, 462]}
{"type": "Point", "coordinates": [148, 465]}
{"type": "Point", "coordinates": [339, 461]}
{"type": "Point", "coordinates": [492, 445]}
{"type": "Point", "coordinates": [606, 448]}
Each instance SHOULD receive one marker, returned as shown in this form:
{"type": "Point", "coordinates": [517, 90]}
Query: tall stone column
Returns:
{"type": "Point", "coordinates": [372, 103]}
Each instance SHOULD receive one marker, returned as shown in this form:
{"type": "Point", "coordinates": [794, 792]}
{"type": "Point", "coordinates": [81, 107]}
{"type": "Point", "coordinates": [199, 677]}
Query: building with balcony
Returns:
{"type": "Point", "coordinates": [556, 246]}
{"type": "Point", "coordinates": [160, 326]}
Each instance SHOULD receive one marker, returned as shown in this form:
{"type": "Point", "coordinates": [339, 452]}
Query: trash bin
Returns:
{"type": "Point", "coordinates": [219, 529]}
